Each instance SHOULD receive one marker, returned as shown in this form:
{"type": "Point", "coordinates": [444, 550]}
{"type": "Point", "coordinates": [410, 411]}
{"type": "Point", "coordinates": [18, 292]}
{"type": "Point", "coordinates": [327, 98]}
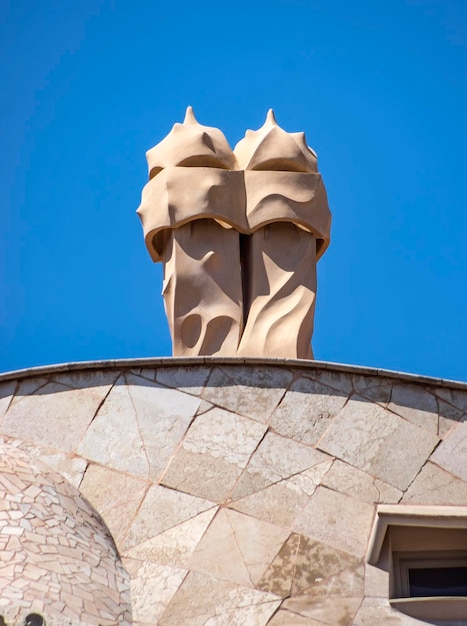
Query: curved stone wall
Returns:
{"type": "Point", "coordinates": [244, 492]}
{"type": "Point", "coordinates": [58, 563]}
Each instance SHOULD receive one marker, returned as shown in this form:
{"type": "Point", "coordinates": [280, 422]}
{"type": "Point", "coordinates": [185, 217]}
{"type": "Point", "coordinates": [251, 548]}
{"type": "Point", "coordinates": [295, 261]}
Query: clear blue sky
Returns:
{"type": "Point", "coordinates": [380, 88]}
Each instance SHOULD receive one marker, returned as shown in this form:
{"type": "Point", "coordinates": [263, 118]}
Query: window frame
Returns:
{"type": "Point", "coordinates": [405, 561]}
{"type": "Point", "coordinates": [397, 526]}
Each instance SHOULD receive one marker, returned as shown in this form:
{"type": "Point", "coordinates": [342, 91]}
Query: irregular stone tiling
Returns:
{"type": "Point", "coordinates": [56, 556]}
{"type": "Point", "coordinates": [236, 494]}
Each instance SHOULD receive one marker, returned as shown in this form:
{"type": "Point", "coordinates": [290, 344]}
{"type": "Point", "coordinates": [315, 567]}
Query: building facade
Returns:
{"type": "Point", "coordinates": [224, 491]}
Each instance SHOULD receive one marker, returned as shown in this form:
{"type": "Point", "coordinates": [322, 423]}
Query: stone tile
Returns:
{"type": "Point", "coordinates": [70, 466]}
{"type": "Point", "coordinates": [326, 610]}
{"type": "Point", "coordinates": [286, 618]}
{"type": "Point", "coordinates": [449, 416]}
{"type": "Point", "coordinates": [114, 438]}
{"type": "Point", "coordinates": [214, 451]}
{"type": "Point", "coordinates": [162, 509]}
{"type": "Point", "coordinates": [451, 454]}
{"type": "Point", "coordinates": [87, 379]}
{"type": "Point", "coordinates": [305, 568]}
{"type": "Point", "coordinates": [455, 397]}
{"type": "Point", "coordinates": [115, 496]}
{"type": "Point", "coordinates": [338, 520]}
{"type": "Point", "coordinates": [279, 576]}
{"type": "Point", "coordinates": [322, 571]}
{"type": "Point", "coordinates": [176, 545]}
{"type": "Point", "coordinates": [416, 405]}
{"type": "Point", "coordinates": [247, 546]}
{"type": "Point", "coordinates": [375, 440]}
{"type": "Point", "coordinates": [163, 416]}
{"type": "Point", "coordinates": [254, 392]}
{"type": "Point", "coordinates": [6, 394]}
{"type": "Point", "coordinates": [281, 502]}
{"type": "Point", "coordinates": [277, 504]}
{"type": "Point", "coordinates": [306, 411]}
{"type": "Point", "coordinates": [222, 434]}
{"type": "Point", "coordinates": [436, 486]}
{"type": "Point", "coordinates": [152, 589]}
{"type": "Point", "coordinates": [379, 393]}
{"type": "Point", "coordinates": [360, 485]}
{"type": "Point", "coordinates": [144, 372]}
{"type": "Point", "coordinates": [277, 458]}
{"type": "Point", "coordinates": [205, 601]}
{"type": "Point", "coordinates": [201, 475]}
{"type": "Point", "coordinates": [28, 386]}
{"type": "Point", "coordinates": [189, 379]}
{"type": "Point", "coordinates": [339, 381]}
{"type": "Point", "coordinates": [55, 415]}
{"type": "Point", "coordinates": [65, 553]}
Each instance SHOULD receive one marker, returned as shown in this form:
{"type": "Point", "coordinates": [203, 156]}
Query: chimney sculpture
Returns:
{"type": "Point", "coordinates": [239, 233]}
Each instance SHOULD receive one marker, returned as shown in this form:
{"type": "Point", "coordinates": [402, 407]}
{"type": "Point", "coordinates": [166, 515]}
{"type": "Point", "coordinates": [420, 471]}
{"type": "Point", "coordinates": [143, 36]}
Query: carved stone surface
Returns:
{"type": "Point", "coordinates": [239, 233]}
{"type": "Point", "coordinates": [236, 493]}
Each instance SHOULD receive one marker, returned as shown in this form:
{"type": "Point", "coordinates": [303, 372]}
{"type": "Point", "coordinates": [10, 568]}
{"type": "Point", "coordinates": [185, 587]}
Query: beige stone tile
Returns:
{"type": "Point", "coordinates": [152, 589]}
{"type": "Point", "coordinates": [253, 392]}
{"type": "Point", "coordinates": [279, 576]}
{"type": "Point", "coordinates": [276, 504]}
{"type": "Point", "coordinates": [55, 415]}
{"type": "Point", "coordinates": [336, 519]}
{"type": "Point", "coordinates": [162, 509]}
{"type": "Point", "coordinates": [114, 438]}
{"type": "Point", "coordinates": [358, 484]}
{"type": "Point", "coordinates": [286, 618]}
{"type": "Point", "coordinates": [323, 571]}
{"type": "Point", "coordinates": [281, 502]}
{"type": "Point", "coordinates": [203, 600]}
{"type": "Point", "coordinates": [247, 546]}
{"type": "Point", "coordinates": [216, 448]}
{"type": "Point", "coordinates": [189, 379]}
{"type": "Point", "coordinates": [115, 496]}
{"type": "Point", "coordinates": [277, 458]}
{"type": "Point", "coordinates": [69, 465]}
{"type": "Point", "coordinates": [6, 394]}
{"type": "Point", "coordinates": [222, 434]}
{"type": "Point", "coordinates": [375, 440]}
{"type": "Point", "coordinates": [327, 610]}
{"type": "Point", "coordinates": [436, 486]}
{"type": "Point", "coordinates": [258, 614]}
{"type": "Point", "coordinates": [306, 411]}
{"type": "Point", "coordinates": [415, 404]}
{"type": "Point", "coordinates": [163, 416]}
{"type": "Point", "coordinates": [201, 475]}
{"type": "Point", "coordinates": [176, 545]}
{"type": "Point", "coordinates": [451, 454]}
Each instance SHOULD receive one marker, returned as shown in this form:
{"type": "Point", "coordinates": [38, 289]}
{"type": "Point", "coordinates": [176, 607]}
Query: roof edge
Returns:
{"type": "Point", "coordinates": [213, 360]}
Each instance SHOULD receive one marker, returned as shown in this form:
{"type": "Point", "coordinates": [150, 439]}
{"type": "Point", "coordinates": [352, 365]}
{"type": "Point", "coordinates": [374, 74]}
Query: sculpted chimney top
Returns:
{"type": "Point", "coordinates": [239, 233]}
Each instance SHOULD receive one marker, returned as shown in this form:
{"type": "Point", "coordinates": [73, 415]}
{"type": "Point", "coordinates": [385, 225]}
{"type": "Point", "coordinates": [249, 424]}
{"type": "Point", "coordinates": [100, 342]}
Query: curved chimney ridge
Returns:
{"type": "Point", "coordinates": [239, 233]}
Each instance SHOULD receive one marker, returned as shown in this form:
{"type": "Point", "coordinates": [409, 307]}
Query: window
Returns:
{"type": "Point", "coordinates": [424, 549]}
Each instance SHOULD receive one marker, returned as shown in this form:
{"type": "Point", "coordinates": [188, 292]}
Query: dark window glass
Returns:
{"type": "Point", "coordinates": [437, 581]}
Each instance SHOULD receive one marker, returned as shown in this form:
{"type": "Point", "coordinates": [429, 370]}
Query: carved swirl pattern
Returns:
{"type": "Point", "coordinates": [239, 233]}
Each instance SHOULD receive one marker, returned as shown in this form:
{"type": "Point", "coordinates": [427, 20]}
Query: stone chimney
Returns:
{"type": "Point", "coordinates": [239, 233]}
